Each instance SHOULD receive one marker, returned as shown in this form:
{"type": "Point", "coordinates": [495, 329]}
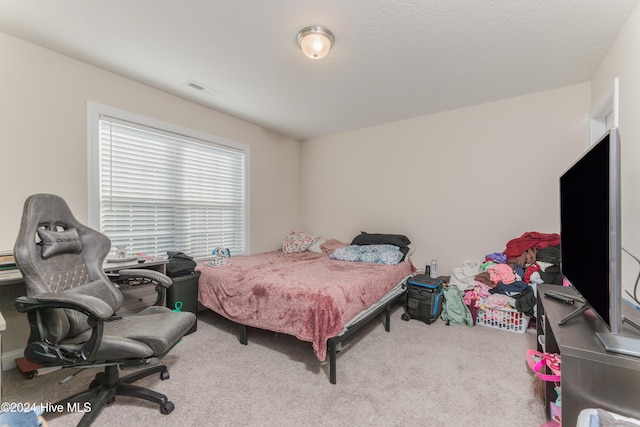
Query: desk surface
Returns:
{"type": "Point", "coordinates": [115, 266]}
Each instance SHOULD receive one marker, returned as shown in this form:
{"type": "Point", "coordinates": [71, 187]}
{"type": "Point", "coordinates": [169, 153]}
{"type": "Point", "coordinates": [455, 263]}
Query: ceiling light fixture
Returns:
{"type": "Point", "coordinates": [315, 41]}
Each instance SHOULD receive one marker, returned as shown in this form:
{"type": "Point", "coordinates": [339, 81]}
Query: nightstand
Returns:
{"type": "Point", "coordinates": [184, 293]}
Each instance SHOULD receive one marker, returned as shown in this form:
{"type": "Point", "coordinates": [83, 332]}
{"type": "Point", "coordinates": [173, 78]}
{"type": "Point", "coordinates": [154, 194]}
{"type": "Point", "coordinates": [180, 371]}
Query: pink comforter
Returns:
{"type": "Point", "coordinates": [306, 294]}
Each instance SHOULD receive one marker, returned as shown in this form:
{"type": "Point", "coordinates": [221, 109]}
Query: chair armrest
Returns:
{"type": "Point", "coordinates": [50, 354]}
{"type": "Point", "coordinates": [143, 273]}
{"type": "Point", "coordinates": [89, 305]}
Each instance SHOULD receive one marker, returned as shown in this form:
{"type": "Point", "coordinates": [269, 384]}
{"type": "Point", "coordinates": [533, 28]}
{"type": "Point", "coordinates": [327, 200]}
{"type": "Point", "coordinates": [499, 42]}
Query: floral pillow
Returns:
{"type": "Point", "coordinates": [298, 241]}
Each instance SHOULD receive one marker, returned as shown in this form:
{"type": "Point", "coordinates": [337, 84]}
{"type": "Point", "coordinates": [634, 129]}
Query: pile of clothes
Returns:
{"type": "Point", "coordinates": [509, 278]}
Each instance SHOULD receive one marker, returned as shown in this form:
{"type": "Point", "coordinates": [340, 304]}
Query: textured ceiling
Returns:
{"type": "Point", "coordinates": [392, 60]}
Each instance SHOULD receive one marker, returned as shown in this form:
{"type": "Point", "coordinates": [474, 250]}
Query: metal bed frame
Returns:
{"type": "Point", "coordinates": [333, 342]}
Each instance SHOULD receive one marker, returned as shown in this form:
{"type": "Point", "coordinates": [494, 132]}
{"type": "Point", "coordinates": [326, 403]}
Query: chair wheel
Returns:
{"type": "Point", "coordinates": [167, 408]}
{"type": "Point", "coordinates": [164, 375]}
{"type": "Point", "coordinates": [405, 317]}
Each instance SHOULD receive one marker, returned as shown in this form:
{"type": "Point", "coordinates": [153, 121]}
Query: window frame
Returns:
{"type": "Point", "coordinates": [95, 110]}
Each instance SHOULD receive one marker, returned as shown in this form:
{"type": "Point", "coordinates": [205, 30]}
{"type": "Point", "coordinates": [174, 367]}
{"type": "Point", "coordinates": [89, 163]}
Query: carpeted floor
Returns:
{"type": "Point", "coordinates": [417, 374]}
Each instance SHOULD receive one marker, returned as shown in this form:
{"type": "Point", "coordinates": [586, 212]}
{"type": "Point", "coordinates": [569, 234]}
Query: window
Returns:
{"type": "Point", "coordinates": [156, 187]}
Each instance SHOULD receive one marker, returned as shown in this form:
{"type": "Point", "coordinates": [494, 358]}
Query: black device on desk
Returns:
{"type": "Point", "coordinates": [565, 298]}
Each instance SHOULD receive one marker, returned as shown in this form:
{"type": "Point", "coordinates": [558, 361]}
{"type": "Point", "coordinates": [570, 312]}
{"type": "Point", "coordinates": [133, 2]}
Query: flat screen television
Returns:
{"type": "Point", "coordinates": [590, 228]}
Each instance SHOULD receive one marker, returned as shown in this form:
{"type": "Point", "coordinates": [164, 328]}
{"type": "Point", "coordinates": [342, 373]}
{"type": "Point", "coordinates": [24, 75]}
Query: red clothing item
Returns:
{"type": "Point", "coordinates": [529, 271]}
{"type": "Point", "coordinates": [530, 239]}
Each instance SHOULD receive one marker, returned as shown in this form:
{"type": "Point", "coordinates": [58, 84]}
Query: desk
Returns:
{"type": "Point", "coordinates": [159, 264]}
{"type": "Point", "coordinates": [136, 298]}
{"type": "Point", "coordinates": [9, 277]}
{"type": "Point", "coordinates": [12, 275]}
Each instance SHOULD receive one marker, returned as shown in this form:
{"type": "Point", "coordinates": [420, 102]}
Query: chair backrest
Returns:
{"type": "Point", "coordinates": [56, 253]}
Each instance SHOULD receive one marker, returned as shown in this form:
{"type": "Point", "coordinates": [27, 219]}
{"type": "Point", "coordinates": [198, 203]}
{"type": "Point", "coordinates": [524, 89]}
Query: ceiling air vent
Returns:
{"type": "Point", "coordinates": [201, 88]}
{"type": "Point", "coordinates": [195, 85]}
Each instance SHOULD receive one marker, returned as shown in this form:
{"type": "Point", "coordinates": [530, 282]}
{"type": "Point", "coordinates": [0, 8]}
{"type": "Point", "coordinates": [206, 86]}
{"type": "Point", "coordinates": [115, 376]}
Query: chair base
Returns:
{"type": "Point", "coordinates": [107, 385]}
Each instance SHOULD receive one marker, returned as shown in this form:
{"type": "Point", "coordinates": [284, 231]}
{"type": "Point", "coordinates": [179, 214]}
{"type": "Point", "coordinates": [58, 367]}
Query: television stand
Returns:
{"type": "Point", "coordinates": [592, 377]}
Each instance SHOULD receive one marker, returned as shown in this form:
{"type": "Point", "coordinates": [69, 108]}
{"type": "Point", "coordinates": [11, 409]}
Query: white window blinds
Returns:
{"type": "Point", "coordinates": [161, 191]}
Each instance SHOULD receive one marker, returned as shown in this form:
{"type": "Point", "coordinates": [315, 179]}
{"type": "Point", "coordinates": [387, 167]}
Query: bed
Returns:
{"type": "Point", "coordinates": [307, 295]}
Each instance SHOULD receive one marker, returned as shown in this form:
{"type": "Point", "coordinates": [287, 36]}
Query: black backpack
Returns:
{"type": "Point", "coordinates": [180, 264]}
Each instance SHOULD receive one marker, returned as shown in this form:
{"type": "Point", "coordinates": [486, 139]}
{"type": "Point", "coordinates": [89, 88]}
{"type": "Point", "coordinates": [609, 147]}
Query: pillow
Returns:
{"type": "Point", "coordinates": [379, 254]}
{"type": "Point", "coordinates": [398, 240]}
{"type": "Point", "coordinates": [298, 241]}
{"type": "Point", "coordinates": [315, 246]}
{"type": "Point", "coordinates": [331, 245]}
{"type": "Point", "coordinates": [59, 242]}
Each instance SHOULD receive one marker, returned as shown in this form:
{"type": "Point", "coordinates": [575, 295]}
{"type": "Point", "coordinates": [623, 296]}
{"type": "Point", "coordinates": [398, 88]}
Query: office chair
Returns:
{"type": "Point", "coordinates": [71, 306]}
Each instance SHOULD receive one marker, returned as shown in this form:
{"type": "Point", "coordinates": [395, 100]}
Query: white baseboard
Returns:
{"type": "Point", "coordinates": [9, 358]}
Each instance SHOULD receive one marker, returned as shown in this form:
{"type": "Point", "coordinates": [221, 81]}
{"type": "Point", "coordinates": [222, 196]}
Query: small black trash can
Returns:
{"type": "Point", "coordinates": [184, 293]}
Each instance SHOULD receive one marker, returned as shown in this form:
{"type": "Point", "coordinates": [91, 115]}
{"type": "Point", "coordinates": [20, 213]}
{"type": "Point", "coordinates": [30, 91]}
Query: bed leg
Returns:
{"type": "Point", "coordinates": [243, 334]}
{"type": "Point", "coordinates": [332, 361]}
{"type": "Point", "coordinates": [387, 324]}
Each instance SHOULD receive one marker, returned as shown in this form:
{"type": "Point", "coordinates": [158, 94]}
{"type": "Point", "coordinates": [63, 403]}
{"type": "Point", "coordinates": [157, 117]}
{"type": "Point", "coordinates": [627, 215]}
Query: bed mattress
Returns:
{"type": "Point", "coordinates": [306, 294]}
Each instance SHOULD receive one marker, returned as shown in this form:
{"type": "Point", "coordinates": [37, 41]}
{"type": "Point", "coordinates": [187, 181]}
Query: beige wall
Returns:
{"type": "Point", "coordinates": [623, 61]}
{"type": "Point", "coordinates": [44, 137]}
{"type": "Point", "coordinates": [43, 129]}
{"type": "Point", "coordinates": [459, 184]}
{"type": "Point", "coordinates": [462, 183]}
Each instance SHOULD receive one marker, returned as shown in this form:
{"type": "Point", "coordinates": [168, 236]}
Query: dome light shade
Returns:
{"type": "Point", "coordinates": [315, 41]}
